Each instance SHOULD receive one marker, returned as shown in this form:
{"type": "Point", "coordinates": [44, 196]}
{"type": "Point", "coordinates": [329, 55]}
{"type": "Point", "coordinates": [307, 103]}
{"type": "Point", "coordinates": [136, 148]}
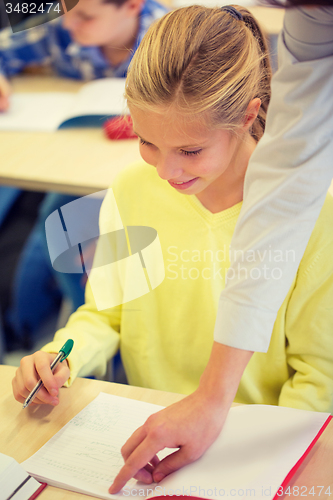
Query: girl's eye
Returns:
{"type": "Point", "coordinates": [188, 153]}
{"type": "Point", "coordinates": [144, 142]}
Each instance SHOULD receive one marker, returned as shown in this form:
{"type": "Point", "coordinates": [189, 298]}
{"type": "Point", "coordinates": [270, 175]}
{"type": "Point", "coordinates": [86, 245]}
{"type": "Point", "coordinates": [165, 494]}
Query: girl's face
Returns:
{"type": "Point", "coordinates": [193, 158]}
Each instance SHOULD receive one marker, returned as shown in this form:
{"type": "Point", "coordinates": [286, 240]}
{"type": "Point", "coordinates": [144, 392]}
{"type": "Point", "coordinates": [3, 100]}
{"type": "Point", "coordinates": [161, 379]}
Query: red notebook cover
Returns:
{"type": "Point", "coordinates": [12, 496]}
{"type": "Point", "coordinates": [294, 469]}
{"type": "Point", "coordinates": [37, 492]}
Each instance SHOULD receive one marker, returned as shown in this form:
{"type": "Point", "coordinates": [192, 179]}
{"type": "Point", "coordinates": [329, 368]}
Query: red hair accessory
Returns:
{"type": "Point", "coordinates": [120, 127]}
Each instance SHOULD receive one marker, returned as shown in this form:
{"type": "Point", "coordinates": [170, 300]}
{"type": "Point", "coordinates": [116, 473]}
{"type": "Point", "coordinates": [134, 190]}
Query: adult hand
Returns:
{"type": "Point", "coordinates": [35, 367]}
{"type": "Point", "coordinates": [191, 425]}
{"type": "Point", "coordinates": [5, 91]}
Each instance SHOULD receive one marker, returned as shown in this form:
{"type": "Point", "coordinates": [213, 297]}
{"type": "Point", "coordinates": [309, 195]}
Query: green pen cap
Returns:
{"type": "Point", "coordinates": [66, 348]}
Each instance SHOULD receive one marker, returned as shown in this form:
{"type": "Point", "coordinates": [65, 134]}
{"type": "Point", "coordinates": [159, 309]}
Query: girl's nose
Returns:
{"type": "Point", "coordinates": [167, 168]}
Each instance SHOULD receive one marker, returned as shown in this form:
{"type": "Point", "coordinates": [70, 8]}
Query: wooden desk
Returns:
{"type": "Point", "coordinates": [77, 161]}
{"type": "Point", "coordinates": [24, 432]}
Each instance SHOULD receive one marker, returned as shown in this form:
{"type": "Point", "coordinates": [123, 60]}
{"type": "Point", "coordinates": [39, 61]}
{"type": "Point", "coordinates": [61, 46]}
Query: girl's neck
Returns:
{"type": "Point", "coordinates": [227, 190]}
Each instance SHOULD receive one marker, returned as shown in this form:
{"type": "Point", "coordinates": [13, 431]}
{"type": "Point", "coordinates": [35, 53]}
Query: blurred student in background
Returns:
{"type": "Point", "coordinates": [96, 39]}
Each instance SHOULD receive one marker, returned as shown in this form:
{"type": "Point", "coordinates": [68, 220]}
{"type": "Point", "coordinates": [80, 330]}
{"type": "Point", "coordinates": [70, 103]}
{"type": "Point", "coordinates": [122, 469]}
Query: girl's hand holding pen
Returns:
{"type": "Point", "coordinates": [35, 367]}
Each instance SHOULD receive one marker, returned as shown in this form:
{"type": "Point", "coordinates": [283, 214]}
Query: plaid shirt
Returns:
{"type": "Point", "coordinates": [51, 43]}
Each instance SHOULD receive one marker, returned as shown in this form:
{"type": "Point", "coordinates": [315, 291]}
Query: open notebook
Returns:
{"type": "Point", "coordinates": [47, 111]}
{"type": "Point", "coordinates": [257, 449]}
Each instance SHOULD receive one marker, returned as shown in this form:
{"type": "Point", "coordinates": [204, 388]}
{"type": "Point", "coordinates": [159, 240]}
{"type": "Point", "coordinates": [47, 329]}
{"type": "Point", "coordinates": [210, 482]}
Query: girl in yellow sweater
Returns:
{"type": "Point", "coordinates": [198, 91]}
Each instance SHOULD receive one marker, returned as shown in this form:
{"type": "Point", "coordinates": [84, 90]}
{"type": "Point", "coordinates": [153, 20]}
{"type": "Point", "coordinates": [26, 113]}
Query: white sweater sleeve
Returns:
{"type": "Point", "coordinates": [285, 184]}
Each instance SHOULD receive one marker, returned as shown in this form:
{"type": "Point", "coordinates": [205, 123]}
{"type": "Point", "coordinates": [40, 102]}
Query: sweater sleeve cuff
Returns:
{"type": "Point", "coordinates": [243, 327]}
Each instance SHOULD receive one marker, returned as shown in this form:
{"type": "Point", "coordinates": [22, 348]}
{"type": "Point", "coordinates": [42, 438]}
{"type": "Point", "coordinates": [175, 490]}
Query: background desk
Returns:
{"type": "Point", "coordinates": [24, 432]}
{"type": "Point", "coordinates": [77, 161]}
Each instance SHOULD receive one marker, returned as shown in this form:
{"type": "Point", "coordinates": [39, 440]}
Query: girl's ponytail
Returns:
{"type": "Point", "coordinates": [266, 71]}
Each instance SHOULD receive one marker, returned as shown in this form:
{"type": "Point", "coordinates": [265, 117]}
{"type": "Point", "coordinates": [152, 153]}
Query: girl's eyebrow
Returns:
{"type": "Point", "coordinates": [176, 147]}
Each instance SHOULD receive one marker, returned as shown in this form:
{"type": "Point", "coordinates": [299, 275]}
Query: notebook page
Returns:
{"type": "Point", "coordinates": [84, 455]}
{"type": "Point", "coordinates": [257, 448]}
{"type": "Point", "coordinates": [103, 97]}
{"type": "Point", "coordinates": [36, 111]}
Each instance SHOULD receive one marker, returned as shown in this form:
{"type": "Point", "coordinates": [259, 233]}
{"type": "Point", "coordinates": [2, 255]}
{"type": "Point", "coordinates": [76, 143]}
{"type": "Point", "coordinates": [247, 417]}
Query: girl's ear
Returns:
{"type": "Point", "coordinates": [251, 113]}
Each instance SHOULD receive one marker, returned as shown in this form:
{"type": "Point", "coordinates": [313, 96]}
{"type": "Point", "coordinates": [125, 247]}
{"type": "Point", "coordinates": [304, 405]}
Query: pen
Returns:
{"type": "Point", "coordinates": [63, 353]}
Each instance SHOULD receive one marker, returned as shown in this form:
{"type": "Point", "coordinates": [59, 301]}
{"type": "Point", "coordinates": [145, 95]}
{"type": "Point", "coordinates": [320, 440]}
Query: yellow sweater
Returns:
{"type": "Point", "coordinates": [166, 336]}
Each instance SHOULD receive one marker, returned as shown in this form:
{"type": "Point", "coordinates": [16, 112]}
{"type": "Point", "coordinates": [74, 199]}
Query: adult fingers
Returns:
{"type": "Point", "coordinates": [133, 442]}
{"type": "Point", "coordinates": [136, 462]}
{"type": "Point", "coordinates": [173, 462]}
{"type": "Point", "coordinates": [150, 467]}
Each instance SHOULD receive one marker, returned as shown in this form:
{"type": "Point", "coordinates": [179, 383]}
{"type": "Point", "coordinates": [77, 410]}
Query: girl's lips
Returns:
{"type": "Point", "coordinates": [183, 185]}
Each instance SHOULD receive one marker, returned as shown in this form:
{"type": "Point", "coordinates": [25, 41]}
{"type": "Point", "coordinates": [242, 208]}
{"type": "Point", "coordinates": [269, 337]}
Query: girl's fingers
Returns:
{"type": "Point", "coordinates": [32, 369]}
{"type": "Point", "coordinates": [42, 366]}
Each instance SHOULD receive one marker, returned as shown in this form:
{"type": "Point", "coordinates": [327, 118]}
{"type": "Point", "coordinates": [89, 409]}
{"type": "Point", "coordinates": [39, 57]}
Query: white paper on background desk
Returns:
{"type": "Point", "coordinates": [257, 448]}
{"type": "Point", "coordinates": [46, 111]}
{"type": "Point", "coordinates": [36, 112]}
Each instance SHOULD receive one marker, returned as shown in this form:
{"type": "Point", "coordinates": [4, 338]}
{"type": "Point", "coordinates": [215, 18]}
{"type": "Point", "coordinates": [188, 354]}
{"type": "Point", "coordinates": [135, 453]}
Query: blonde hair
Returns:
{"type": "Point", "coordinates": [205, 62]}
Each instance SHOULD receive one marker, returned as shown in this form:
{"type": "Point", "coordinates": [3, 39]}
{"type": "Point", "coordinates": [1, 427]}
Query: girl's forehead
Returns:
{"type": "Point", "coordinates": [173, 130]}
{"type": "Point", "coordinates": [170, 120]}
